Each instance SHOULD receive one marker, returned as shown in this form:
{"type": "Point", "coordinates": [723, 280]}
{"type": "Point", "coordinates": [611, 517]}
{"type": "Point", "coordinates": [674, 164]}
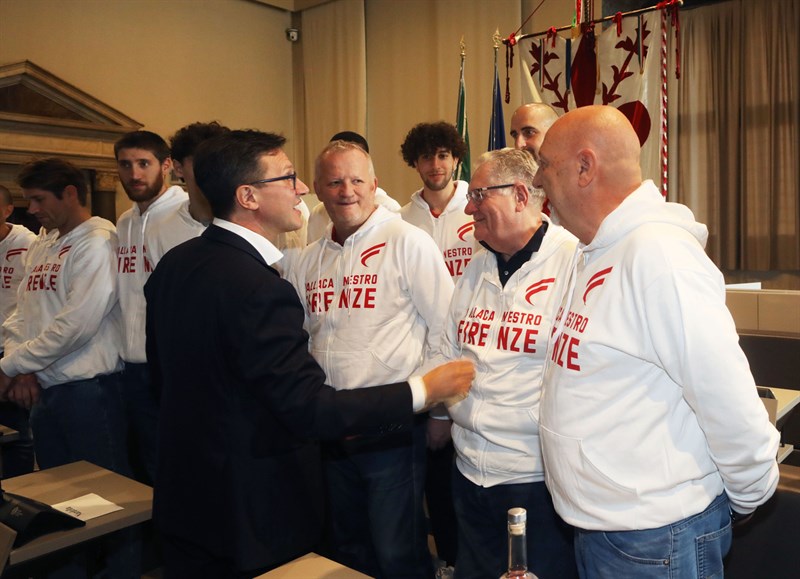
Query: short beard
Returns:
{"type": "Point", "coordinates": [430, 185]}
{"type": "Point", "coordinates": [147, 194]}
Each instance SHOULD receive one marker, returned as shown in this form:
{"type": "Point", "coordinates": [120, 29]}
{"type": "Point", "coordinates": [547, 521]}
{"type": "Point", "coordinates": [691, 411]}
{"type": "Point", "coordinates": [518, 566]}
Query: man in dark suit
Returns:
{"type": "Point", "coordinates": [237, 486]}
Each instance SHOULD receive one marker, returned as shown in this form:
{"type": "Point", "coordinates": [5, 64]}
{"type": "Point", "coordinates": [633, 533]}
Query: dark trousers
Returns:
{"type": "Point", "coordinates": [483, 530]}
{"type": "Point", "coordinates": [375, 487]}
{"type": "Point", "coordinates": [439, 498]}
{"type": "Point", "coordinates": [17, 456]}
{"type": "Point", "coordinates": [85, 420]}
{"type": "Point", "coordinates": [141, 407]}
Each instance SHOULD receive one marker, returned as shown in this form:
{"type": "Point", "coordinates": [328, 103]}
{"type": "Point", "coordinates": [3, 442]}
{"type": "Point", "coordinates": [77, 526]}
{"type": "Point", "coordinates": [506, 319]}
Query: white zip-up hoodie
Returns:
{"type": "Point", "coordinates": [453, 231]}
{"type": "Point", "coordinates": [65, 327]}
{"type": "Point", "coordinates": [143, 241]}
{"type": "Point", "coordinates": [649, 408]}
{"type": "Point", "coordinates": [504, 331]}
{"type": "Point", "coordinates": [375, 304]}
{"type": "Point", "coordinates": [13, 256]}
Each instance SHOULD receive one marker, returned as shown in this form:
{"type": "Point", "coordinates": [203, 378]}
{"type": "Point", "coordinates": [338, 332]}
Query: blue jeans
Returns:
{"type": "Point", "coordinates": [692, 548]}
{"type": "Point", "coordinates": [85, 420]}
{"type": "Point", "coordinates": [483, 530]}
{"type": "Point", "coordinates": [81, 420]}
{"type": "Point", "coordinates": [141, 408]}
{"type": "Point", "coordinates": [375, 488]}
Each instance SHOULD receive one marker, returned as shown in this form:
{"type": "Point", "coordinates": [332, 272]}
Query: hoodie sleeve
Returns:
{"type": "Point", "coordinates": [91, 294]}
{"type": "Point", "coordinates": [12, 330]}
{"type": "Point", "coordinates": [695, 340]}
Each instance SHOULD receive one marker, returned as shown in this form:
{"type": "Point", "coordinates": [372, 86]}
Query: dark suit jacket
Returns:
{"type": "Point", "coordinates": [241, 397]}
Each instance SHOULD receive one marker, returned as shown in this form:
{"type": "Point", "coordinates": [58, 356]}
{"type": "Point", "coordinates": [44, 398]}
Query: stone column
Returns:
{"type": "Point", "coordinates": [104, 195]}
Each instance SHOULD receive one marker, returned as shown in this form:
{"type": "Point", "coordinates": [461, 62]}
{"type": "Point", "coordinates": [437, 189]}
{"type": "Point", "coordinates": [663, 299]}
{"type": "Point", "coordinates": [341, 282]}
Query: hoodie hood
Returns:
{"type": "Point", "coordinates": [645, 205]}
{"type": "Point", "coordinates": [456, 203]}
{"type": "Point", "coordinates": [175, 195]}
{"type": "Point", "coordinates": [379, 216]}
{"type": "Point", "coordinates": [93, 224]}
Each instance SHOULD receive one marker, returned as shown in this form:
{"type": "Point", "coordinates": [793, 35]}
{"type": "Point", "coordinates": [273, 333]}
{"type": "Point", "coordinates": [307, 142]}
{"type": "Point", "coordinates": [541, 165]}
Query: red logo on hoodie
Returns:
{"type": "Point", "coordinates": [374, 250]}
{"type": "Point", "coordinates": [465, 229]}
{"type": "Point", "coordinates": [596, 280]}
{"type": "Point", "coordinates": [540, 286]}
{"type": "Point", "coordinates": [12, 252]}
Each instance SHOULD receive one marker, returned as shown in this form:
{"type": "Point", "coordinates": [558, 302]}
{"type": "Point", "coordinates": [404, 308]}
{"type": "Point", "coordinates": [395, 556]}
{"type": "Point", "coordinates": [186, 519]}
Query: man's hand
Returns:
{"type": "Point", "coordinates": [438, 434]}
{"type": "Point", "coordinates": [448, 383]}
{"type": "Point", "coordinates": [25, 390]}
{"type": "Point", "coordinates": [739, 520]}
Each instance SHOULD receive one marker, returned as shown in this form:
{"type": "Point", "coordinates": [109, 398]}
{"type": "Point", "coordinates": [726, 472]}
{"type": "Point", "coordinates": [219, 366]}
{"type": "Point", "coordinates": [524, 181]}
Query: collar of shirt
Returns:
{"type": "Point", "coordinates": [506, 269]}
{"type": "Point", "coordinates": [269, 252]}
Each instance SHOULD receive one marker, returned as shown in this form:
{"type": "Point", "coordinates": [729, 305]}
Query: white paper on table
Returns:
{"type": "Point", "coordinates": [87, 507]}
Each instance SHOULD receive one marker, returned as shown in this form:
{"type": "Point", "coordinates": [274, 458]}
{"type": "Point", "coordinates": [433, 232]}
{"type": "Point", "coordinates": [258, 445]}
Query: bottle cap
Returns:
{"type": "Point", "coordinates": [517, 516]}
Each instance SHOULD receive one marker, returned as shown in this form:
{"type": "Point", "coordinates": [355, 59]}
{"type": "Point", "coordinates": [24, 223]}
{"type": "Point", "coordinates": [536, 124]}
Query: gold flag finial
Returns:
{"type": "Point", "coordinates": [463, 46]}
{"type": "Point", "coordinates": [496, 38]}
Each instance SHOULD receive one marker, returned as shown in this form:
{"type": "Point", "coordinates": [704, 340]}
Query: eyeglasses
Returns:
{"type": "Point", "coordinates": [478, 195]}
{"type": "Point", "coordinates": [292, 176]}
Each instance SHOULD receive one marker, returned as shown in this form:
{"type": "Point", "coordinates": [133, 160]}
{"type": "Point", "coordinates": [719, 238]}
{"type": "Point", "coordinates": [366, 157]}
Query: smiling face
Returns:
{"type": "Point", "coordinates": [346, 186]}
{"type": "Point", "coordinates": [277, 201]}
{"type": "Point", "coordinates": [436, 169]}
{"type": "Point", "coordinates": [495, 215]}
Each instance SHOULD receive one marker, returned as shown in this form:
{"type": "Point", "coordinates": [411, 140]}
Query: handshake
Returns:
{"type": "Point", "coordinates": [448, 383]}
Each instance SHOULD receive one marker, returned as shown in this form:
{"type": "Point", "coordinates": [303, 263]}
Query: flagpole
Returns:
{"type": "Point", "coordinates": [659, 6]}
{"type": "Point", "coordinates": [463, 170]}
{"type": "Point", "coordinates": [497, 123]}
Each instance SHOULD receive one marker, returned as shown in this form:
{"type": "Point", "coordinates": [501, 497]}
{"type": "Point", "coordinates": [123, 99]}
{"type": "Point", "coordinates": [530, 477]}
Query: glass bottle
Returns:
{"type": "Point", "coordinates": [517, 546]}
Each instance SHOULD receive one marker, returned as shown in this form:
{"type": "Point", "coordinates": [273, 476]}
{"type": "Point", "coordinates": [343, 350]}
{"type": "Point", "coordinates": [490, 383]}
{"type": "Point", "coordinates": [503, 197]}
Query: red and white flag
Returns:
{"type": "Point", "coordinates": [620, 66]}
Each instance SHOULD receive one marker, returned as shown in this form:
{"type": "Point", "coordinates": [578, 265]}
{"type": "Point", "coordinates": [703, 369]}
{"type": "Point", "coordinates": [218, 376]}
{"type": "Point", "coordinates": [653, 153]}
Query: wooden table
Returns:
{"type": "Point", "coordinates": [70, 481]}
{"type": "Point", "coordinates": [786, 402]}
{"type": "Point", "coordinates": [313, 566]}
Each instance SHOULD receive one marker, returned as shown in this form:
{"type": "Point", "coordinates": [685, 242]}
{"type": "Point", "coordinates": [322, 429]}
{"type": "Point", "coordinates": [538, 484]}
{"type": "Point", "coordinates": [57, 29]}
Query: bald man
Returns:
{"type": "Point", "coordinates": [529, 125]}
{"type": "Point", "coordinates": [651, 427]}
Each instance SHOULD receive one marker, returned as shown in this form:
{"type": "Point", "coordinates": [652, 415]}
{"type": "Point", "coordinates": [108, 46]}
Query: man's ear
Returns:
{"type": "Point", "coordinates": [6, 211]}
{"type": "Point", "coordinates": [521, 196]}
{"type": "Point", "coordinates": [166, 166]}
{"type": "Point", "coordinates": [178, 168]}
{"type": "Point", "coordinates": [70, 192]}
{"type": "Point", "coordinates": [245, 197]}
{"type": "Point", "coordinates": [587, 166]}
